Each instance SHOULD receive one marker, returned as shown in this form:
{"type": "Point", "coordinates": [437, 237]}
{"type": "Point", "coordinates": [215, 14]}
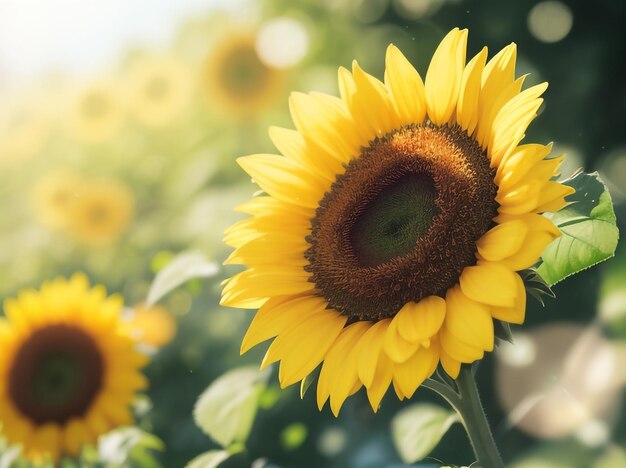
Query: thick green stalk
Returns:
{"type": "Point", "coordinates": [467, 403]}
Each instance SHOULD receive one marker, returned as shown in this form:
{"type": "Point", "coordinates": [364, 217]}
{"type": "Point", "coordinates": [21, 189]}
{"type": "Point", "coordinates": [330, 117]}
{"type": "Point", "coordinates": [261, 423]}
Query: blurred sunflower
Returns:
{"type": "Point", "coordinates": [101, 212]}
{"type": "Point", "coordinates": [154, 326]}
{"type": "Point", "coordinates": [97, 113]}
{"type": "Point", "coordinates": [395, 222]}
{"type": "Point", "coordinates": [160, 89]}
{"type": "Point", "coordinates": [53, 195]}
{"type": "Point", "coordinates": [235, 80]}
{"type": "Point", "coordinates": [68, 368]}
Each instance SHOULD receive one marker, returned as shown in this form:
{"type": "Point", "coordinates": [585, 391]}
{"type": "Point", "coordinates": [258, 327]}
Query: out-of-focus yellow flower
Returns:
{"type": "Point", "coordinates": [154, 326]}
{"type": "Point", "coordinates": [23, 130]}
{"type": "Point", "coordinates": [235, 80]}
{"type": "Point", "coordinates": [96, 114]}
{"type": "Point", "coordinates": [101, 212]}
{"type": "Point", "coordinates": [68, 368]}
{"type": "Point", "coordinates": [160, 89]}
{"type": "Point", "coordinates": [53, 195]}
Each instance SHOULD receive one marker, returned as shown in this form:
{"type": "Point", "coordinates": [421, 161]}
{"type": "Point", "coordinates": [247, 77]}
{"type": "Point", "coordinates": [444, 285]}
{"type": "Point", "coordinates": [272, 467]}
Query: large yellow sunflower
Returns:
{"type": "Point", "coordinates": [391, 230]}
{"type": "Point", "coordinates": [68, 368]}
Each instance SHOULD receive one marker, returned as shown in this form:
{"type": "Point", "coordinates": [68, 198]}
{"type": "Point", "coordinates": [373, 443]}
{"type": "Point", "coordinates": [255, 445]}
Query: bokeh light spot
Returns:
{"type": "Point", "coordinates": [550, 21]}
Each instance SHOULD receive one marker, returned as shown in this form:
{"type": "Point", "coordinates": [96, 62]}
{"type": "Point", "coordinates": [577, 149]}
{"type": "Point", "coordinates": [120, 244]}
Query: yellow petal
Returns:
{"type": "Point", "coordinates": [292, 145]}
{"type": "Point", "coordinates": [333, 362]}
{"type": "Point", "coordinates": [489, 283]}
{"type": "Point", "coordinates": [522, 199]}
{"type": "Point", "coordinates": [277, 315]}
{"type": "Point", "coordinates": [511, 122]}
{"type": "Point", "coordinates": [457, 349]}
{"type": "Point", "coordinates": [449, 364]}
{"type": "Point", "coordinates": [382, 379]}
{"type": "Point", "coordinates": [410, 374]}
{"type": "Point", "coordinates": [443, 79]}
{"type": "Point", "coordinates": [369, 348]}
{"type": "Point", "coordinates": [405, 86]}
{"type": "Point", "coordinates": [417, 322]}
{"type": "Point", "coordinates": [271, 248]}
{"type": "Point", "coordinates": [267, 206]}
{"type": "Point", "coordinates": [468, 320]}
{"type": "Point", "coordinates": [397, 348]}
{"type": "Point", "coordinates": [496, 89]}
{"type": "Point", "coordinates": [540, 233]}
{"type": "Point", "coordinates": [251, 286]}
{"type": "Point", "coordinates": [324, 122]}
{"type": "Point", "coordinates": [303, 346]}
{"type": "Point", "coordinates": [502, 241]}
{"type": "Point", "coordinates": [517, 313]}
{"type": "Point", "coordinates": [552, 197]}
{"type": "Point", "coordinates": [283, 179]}
{"type": "Point", "coordinates": [519, 163]}
{"type": "Point", "coordinates": [469, 95]}
{"type": "Point", "coordinates": [371, 105]}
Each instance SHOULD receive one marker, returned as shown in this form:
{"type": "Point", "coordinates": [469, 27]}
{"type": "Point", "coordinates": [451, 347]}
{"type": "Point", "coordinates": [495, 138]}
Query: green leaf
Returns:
{"type": "Point", "coordinates": [536, 286]}
{"type": "Point", "coordinates": [210, 459]}
{"type": "Point", "coordinates": [417, 430]}
{"type": "Point", "coordinates": [502, 331]}
{"type": "Point", "coordinates": [182, 268]}
{"type": "Point", "coordinates": [227, 408]}
{"type": "Point", "coordinates": [589, 231]}
{"type": "Point", "coordinates": [129, 444]}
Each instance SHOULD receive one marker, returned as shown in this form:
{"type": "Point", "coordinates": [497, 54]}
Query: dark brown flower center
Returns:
{"type": "Point", "coordinates": [56, 374]}
{"type": "Point", "coordinates": [402, 222]}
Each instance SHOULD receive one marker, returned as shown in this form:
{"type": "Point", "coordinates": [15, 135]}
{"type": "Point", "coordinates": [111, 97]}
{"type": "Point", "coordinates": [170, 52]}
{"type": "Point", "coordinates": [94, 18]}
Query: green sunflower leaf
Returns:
{"type": "Point", "coordinates": [417, 429]}
{"type": "Point", "coordinates": [589, 230]}
{"type": "Point", "coordinates": [502, 331]}
{"type": "Point", "coordinates": [536, 286]}
{"type": "Point", "coordinates": [210, 459]}
{"type": "Point", "coordinates": [227, 408]}
{"type": "Point", "coordinates": [186, 266]}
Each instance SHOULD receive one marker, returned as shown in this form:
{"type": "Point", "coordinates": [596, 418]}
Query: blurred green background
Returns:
{"type": "Point", "coordinates": [139, 111]}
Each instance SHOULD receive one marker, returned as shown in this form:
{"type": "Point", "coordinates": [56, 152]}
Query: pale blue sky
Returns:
{"type": "Point", "coordinates": [82, 36]}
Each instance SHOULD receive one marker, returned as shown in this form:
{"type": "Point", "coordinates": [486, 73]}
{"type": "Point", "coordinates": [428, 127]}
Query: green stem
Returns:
{"type": "Point", "coordinates": [467, 404]}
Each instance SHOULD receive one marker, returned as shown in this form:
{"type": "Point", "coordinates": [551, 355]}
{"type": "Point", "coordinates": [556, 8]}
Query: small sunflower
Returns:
{"type": "Point", "coordinates": [68, 368]}
{"type": "Point", "coordinates": [160, 88]}
{"type": "Point", "coordinates": [235, 79]}
{"type": "Point", "coordinates": [391, 231]}
{"type": "Point", "coordinates": [154, 325]}
{"type": "Point", "coordinates": [53, 195]}
{"type": "Point", "coordinates": [97, 113]}
{"type": "Point", "coordinates": [100, 212]}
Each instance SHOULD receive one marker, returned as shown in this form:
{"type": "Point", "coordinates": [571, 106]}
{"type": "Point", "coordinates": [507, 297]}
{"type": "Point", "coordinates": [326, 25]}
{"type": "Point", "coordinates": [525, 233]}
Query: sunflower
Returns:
{"type": "Point", "coordinates": [392, 228]}
{"type": "Point", "coordinates": [100, 212]}
{"type": "Point", "coordinates": [234, 78]}
{"type": "Point", "coordinates": [68, 368]}
{"type": "Point", "coordinates": [160, 88]}
{"type": "Point", "coordinates": [97, 113]}
{"type": "Point", "coordinates": [153, 325]}
{"type": "Point", "coordinates": [53, 195]}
